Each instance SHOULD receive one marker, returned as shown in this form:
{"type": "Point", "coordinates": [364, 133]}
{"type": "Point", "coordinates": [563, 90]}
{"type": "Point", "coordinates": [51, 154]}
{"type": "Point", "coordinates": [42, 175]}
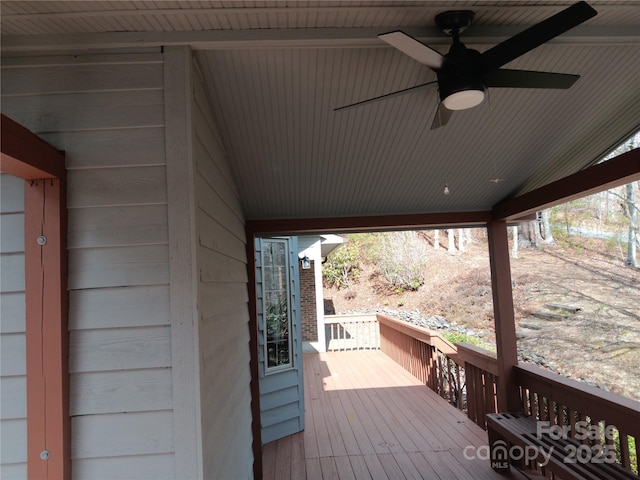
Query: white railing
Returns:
{"type": "Point", "coordinates": [352, 332]}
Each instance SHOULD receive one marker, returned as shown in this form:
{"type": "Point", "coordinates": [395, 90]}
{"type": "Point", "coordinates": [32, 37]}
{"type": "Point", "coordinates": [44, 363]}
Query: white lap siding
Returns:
{"type": "Point", "coordinates": [106, 112]}
{"type": "Point", "coordinates": [223, 303]}
{"type": "Point", "coordinates": [13, 365]}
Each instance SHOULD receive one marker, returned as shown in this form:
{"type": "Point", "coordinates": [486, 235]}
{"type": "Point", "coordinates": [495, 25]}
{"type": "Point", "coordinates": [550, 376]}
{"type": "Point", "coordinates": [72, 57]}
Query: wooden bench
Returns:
{"type": "Point", "coordinates": [515, 439]}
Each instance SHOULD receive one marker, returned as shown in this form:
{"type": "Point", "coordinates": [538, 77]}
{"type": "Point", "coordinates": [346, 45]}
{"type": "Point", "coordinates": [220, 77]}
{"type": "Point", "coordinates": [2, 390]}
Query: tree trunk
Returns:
{"type": "Point", "coordinates": [452, 240]}
{"type": "Point", "coordinates": [436, 239]}
{"type": "Point", "coordinates": [566, 218]}
{"type": "Point", "coordinates": [632, 215]}
{"type": "Point", "coordinates": [546, 226]}
{"type": "Point", "coordinates": [461, 239]}
{"type": "Point", "coordinates": [514, 247]}
{"type": "Point", "coordinates": [529, 234]}
{"type": "Point", "coordinates": [537, 236]}
{"type": "Point", "coordinates": [467, 232]}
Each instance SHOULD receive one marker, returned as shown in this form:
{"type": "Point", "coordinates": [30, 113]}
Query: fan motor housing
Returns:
{"type": "Point", "coordinates": [454, 21]}
{"type": "Point", "coordinates": [460, 72]}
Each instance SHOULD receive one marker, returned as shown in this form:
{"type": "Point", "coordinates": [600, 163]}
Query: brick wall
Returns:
{"type": "Point", "coordinates": [308, 304]}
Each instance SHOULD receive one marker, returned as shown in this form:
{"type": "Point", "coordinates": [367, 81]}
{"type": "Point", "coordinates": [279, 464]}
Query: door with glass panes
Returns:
{"type": "Point", "coordinates": [279, 337]}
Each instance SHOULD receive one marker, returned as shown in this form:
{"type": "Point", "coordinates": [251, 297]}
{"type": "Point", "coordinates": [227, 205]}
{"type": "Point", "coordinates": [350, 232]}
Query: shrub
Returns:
{"type": "Point", "coordinates": [342, 265]}
{"type": "Point", "coordinates": [402, 260]}
{"type": "Point", "coordinates": [457, 337]}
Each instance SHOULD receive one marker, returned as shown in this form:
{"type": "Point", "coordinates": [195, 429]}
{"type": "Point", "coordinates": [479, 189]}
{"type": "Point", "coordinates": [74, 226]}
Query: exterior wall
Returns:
{"type": "Point", "coordinates": [13, 365]}
{"type": "Point", "coordinates": [308, 307]}
{"type": "Point", "coordinates": [223, 303]}
{"type": "Point", "coordinates": [106, 112]}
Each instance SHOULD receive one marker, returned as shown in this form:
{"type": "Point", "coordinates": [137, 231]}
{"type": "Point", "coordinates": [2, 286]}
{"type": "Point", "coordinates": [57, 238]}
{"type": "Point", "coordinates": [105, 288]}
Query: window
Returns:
{"type": "Point", "coordinates": [276, 304]}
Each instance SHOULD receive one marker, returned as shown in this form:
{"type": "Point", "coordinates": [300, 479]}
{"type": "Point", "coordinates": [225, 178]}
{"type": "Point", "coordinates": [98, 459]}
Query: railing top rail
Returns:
{"type": "Point", "coordinates": [592, 401]}
{"type": "Point", "coordinates": [460, 353]}
{"type": "Point", "coordinates": [477, 356]}
{"type": "Point", "coordinates": [346, 318]}
{"type": "Point", "coordinates": [419, 333]}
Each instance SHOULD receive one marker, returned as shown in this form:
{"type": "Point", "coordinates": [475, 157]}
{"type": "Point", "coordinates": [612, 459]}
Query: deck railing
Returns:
{"type": "Point", "coordinates": [608, 424]}
{"type": "Point", "coordinates": [466, 376]}
{"type": "Point", "coordinates": [462, 374]}
{"type": "Point", "coordinates": [351, 332]}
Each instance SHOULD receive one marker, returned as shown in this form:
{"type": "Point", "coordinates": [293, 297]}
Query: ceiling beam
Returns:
{"type": "Point", "coordinates": [618, 171]}
{"type": "Point", "coordinates": [367, 223]}
{"type": "Point", "coordinates": [302, 38]}
{"type": "Point", "coordinates": [27, 156]}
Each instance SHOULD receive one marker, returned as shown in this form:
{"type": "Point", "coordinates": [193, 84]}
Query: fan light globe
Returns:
{"type": "Point", "coordinates": [464, 99]}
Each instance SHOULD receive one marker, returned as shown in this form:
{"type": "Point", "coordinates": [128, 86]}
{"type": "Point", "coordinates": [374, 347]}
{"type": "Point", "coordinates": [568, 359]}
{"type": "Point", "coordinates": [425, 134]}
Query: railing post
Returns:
{"type": "Point", "coordinates": [506, 345]}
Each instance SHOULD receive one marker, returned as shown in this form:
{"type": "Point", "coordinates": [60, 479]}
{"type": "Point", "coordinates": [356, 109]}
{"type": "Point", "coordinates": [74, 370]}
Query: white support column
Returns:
{"type": "Point", "coordinates": [322, 345]}
{"type": "Point", "coordinates": [183, 287]}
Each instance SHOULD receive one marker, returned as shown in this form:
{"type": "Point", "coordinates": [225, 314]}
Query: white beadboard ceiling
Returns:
{"type": "Point", "coordinates": [275, 70]}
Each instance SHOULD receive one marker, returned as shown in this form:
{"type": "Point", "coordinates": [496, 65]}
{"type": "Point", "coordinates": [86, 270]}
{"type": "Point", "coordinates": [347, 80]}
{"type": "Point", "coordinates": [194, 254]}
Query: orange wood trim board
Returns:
{"type": "Point", "coordinates": [27, 156]}
{"type": "Point", "coordinates": [47, 343]}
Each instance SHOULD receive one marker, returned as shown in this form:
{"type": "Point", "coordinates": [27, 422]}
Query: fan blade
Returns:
{"type": "Point", "coordinates": [528, 79]}
{"type": "Point", "coordinates": [536, 35]}
{"type": "Point", "coordinates": [442, 116]}
{"type": "Point", "coordinates": [387, 95]}
{"type": "Point", "coordinates": [414, 48]}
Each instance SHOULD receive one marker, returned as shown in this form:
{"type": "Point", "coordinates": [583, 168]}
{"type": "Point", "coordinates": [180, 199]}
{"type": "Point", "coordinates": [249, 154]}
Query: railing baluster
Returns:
{"type": "Point", "coordinates": [449, 380]}
{"type": "Point", "coordinates": [489, 396]}
{"type": "Point", "coordinates": [625, 458]}
{"type": "Point", "coordinates": [573, 416]}
{"type": "Point", "coordinates": [471, 389]}
{"type": "Point", "coordinates": [479, 396]}
{"type": "Point", "coordinates": [531, 400]}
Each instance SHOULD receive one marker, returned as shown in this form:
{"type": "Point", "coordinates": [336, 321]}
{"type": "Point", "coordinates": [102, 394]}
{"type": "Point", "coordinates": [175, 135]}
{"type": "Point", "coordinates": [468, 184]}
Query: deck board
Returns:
{"type": "Point", "coordinates": [368, 418]}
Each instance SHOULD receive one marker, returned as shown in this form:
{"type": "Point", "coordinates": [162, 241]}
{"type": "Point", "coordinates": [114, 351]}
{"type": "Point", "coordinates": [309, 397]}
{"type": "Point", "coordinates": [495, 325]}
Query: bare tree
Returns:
{"type": "Point", "coordinates": [452, 241]}
{"type": "Point", "coordinates": [631, 212]}
{"type": "Point", "coordinates": [467, 232]}
{"type": "Point", "coordinates": [546, 227]}
{"type": "Point", "coordinates": [461, 239]}
{"type": "Point", "coordinates": [529, 234]}
{"type": "Point", "coordinates": [514, 247]}
{"type": "Point", "coordinates": [436, 239]}
{"type": "Point", "coordinates": [629, 205]}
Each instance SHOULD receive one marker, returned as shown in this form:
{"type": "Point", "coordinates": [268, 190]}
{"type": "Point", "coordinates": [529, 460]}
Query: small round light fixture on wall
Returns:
{"type": "Point", "coordinates": [306, 263]}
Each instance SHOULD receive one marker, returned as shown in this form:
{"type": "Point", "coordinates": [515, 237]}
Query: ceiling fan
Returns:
{"type": "Point", "coordinates": [465, 74]}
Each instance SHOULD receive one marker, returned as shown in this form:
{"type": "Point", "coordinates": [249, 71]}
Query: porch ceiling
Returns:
{"type": "Point", "coordinates": [275, 71]}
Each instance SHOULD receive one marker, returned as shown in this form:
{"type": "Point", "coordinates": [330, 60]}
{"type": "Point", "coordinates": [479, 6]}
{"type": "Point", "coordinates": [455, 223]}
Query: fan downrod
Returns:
{"type": "Point", "coordinates": [454, 21]}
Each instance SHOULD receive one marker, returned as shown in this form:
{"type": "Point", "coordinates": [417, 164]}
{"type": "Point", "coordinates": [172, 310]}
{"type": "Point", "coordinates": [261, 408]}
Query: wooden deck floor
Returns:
{"type": "Point", "coordinates": [367, 418]}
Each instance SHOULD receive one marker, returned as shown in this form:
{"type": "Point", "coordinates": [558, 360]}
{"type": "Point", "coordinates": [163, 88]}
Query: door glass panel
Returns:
{"type": "Point", "coordinates": [276, 298]}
